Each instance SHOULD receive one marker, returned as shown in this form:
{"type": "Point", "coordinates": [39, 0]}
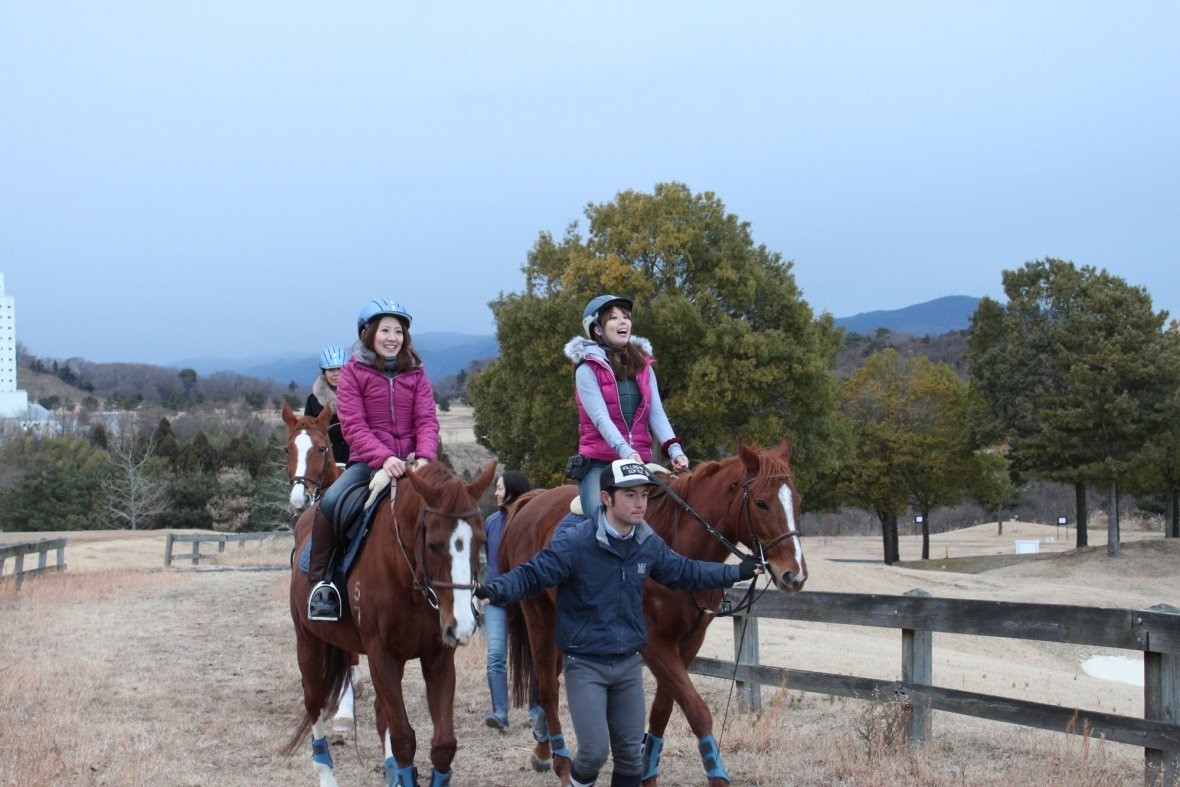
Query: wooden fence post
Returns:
{"type": "Point", "coordinates": [167, 550]}
{"type": "Point", "coordinates": [1161, 702]}
{"type": "Point", "coordinates": [917, 666]}
{"type": "Point", "coordinates": [745, 651]}
{"type": "Point", "coordinates": [20, 569]}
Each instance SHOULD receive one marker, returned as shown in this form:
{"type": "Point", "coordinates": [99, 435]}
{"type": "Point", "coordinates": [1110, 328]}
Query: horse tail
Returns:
{"type": "Point", "coordinates": [336, 669]}
{"type": "Point", "coordinates": [520, 656]}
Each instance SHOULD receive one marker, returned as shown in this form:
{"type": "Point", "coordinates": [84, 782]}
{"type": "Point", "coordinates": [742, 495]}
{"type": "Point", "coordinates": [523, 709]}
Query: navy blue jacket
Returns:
{"type": "Point", "coordinates": [599, 594]}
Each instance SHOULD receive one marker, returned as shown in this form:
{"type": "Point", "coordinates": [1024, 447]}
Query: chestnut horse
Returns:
{"type": "Point", "coordinates": [310, 464]}
{"type": "Point", "coordinates": [749, 499]}
{"type": "Point", "coordinates": [409, 595]}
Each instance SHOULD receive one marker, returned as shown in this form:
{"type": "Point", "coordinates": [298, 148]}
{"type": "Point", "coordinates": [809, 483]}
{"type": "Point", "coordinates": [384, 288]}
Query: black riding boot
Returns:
{"type": "Point", "coordinates": [625, 780]}
{"type": "Point", "coordinates": [324, 601]}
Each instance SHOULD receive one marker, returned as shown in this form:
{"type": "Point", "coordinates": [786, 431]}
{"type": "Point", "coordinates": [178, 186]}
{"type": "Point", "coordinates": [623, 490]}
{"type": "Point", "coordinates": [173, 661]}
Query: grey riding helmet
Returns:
{"type": "Point", "coordinates": [597, 305]}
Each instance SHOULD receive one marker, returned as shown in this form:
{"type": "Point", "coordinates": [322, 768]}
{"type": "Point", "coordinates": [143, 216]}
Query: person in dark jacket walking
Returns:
{"type": "Point", "coordinates": [599, 566]}
{"type": "Point", "coordinates": [323, 394]}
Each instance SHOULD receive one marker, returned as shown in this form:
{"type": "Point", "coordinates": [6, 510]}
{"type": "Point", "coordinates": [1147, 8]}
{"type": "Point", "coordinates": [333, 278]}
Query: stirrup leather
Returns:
{"type": "Point", "coordinates": [323, 603]}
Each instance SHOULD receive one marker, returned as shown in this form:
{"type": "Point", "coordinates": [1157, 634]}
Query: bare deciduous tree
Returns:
{"type": "Point", "coordinates": [135, 490]}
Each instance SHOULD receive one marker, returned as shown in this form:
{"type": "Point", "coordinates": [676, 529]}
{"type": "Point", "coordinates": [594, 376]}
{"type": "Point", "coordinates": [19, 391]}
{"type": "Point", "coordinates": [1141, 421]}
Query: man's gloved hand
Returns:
{"type": "Point", "coordinates": [747, 568]}
{"type": "Point", "coordinates": [483, 591]}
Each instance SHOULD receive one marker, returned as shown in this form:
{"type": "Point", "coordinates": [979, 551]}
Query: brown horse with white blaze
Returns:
{"type": "Point", "coordinates": [409, 594]}
{"type": "Point", "coordinates": [310, 464]}
{"type": "Point", "coordinates": [748, 499]}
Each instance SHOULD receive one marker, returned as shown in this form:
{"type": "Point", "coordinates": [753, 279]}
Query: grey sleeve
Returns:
{"type": "Point", "coordinates": [657, 419]}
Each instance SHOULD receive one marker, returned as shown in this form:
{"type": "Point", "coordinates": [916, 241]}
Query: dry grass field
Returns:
{"type": "Point", "coordinates": [119, 672]}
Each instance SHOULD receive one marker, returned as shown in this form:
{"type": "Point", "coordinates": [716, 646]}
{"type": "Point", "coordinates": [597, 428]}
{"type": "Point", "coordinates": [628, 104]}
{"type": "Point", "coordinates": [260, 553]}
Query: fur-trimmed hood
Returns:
{"type": "Point", "coordinates": [324, 392]}
{"type": "Point", "coordinates": [579, 348]}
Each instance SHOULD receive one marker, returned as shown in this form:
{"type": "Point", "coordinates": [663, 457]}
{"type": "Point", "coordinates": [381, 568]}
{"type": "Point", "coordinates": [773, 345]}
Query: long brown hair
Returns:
{"type": "Point", "coordinates": [407, 357]}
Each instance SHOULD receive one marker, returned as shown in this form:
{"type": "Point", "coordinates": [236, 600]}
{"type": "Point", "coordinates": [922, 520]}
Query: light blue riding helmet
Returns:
{"type": "Point", "coordinates": [333, 357]}
{"type": "Point", "coordinates": [379, 308]}
{"type": "Point", "coordinates": [596, 305]}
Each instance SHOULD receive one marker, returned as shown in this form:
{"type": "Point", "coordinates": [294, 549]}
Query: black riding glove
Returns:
{"type": "Point", "coordinates": [747, 566]}
{"type": "Point", "coordinates": [483, 591]}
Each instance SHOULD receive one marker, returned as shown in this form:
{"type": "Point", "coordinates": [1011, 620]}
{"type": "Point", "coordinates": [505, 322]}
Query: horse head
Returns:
{"type": "Point", "coordinates": [310, 464]}
{"type": "Point", "coordinates": [449, 538]}
{"type": "Point", "coordinates": [771, 508]}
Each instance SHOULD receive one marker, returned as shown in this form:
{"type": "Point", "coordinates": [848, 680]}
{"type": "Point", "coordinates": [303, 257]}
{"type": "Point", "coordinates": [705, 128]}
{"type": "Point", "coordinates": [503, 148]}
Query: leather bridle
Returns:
{"type": "Point", "coordinates": [314, 484]}
{"type": "Point", "coordinates": [760, 549]}
{"type": "Point", "coordinates": [427, 586]}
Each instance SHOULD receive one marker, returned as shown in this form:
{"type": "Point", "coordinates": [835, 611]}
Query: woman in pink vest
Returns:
{"type": "Point", "coordinates": [386, 411]}
{"type": "Point", "coordinates": [620, 415]}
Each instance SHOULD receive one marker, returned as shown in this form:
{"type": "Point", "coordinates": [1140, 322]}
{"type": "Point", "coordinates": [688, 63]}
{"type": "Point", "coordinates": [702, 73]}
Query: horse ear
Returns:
{"type": "Point", "coordinates": [428, 492]}
{"type": "Point", "coordinates": [325, 417]}
{"type": "Point", "coordinates": [749, 458]}
{"type": "Point", "coordinates": [482, 481]}
{"type": "Point", "coordinates": [288, 416]}
{"type": "Point", "coordinates": [786, 448]}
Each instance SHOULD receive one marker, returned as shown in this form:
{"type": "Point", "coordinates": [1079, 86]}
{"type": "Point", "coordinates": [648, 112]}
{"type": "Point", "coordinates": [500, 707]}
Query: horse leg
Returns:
{"type": "Point", "coordinates": [438, 672]}
{"type": "Point", "coordinates": [344, 722]}
{"type": "Point", "coordinates": [669, 666]}
{"type": "Point", "coordinates": [551, 752]}
{"type": "Point", "coordinates": [390, 707]}
{"type": "Point", "coordinates": [322, 667]}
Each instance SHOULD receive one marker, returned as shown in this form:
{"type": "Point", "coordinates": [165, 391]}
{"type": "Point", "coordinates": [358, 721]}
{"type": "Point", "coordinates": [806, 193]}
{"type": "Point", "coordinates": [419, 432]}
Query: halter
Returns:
{"type": "Point", "coordinates": [314, 484]}
{"type": "Point", "coordinates": [760, 549]}
{"type": "Point", "coordinates": [427, 586]}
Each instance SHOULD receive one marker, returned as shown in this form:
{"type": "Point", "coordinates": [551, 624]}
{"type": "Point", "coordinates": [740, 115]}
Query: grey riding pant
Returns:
{"type": "Point", "coordinates": [608, 709]}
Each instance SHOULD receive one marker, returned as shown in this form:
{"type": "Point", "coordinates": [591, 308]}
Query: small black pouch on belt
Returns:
{"type": "Point", "coordinates": [576, 467]}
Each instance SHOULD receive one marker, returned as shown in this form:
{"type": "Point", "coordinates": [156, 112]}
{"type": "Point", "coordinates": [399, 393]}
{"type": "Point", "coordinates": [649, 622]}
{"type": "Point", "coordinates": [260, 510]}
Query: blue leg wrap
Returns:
{"type": "Point", "coordinates": [711, 757]}
{"type": "Point", "coordinates": [320, 752]}
{"type": "Point", "coordinates": [438, 779]}
{"type": "Point", "coordinates": [557, 745]}
{"type": "Point", "coordinates": [400, 777]}
{"type": "Point", "coordinates": [652, 746]}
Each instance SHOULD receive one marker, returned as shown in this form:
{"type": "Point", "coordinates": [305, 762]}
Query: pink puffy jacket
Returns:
{"type": "Point", "coordinates": [384, 416]}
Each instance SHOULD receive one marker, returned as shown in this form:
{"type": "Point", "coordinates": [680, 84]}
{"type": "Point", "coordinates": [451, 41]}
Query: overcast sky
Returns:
{"type": "Point", "coordinates": [182, 178]}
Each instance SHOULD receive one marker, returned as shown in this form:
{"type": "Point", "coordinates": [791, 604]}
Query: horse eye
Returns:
{"type": "Point", "coordinates": [435, 547]}
{"type": "Point", "coordinates": [761, 504]}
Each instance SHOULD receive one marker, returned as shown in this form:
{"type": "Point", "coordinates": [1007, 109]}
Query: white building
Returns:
{"type": "Point", "coordinates": [13, 403]}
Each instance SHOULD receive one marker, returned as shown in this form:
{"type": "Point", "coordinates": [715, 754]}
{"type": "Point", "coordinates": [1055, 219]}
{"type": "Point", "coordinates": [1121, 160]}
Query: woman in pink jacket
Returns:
{"type": "Point", "coordinates": [386, 410]}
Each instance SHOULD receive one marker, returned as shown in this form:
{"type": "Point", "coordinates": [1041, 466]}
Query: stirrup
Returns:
{"type": "Point", "coordinates": [324, 602]}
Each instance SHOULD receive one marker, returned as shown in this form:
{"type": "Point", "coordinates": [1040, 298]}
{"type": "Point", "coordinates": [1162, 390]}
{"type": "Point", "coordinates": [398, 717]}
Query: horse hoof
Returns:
{"type": "Point", "coordinates": [539, 765]}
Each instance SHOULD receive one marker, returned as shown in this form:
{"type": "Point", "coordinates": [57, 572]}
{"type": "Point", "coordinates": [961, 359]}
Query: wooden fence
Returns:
{"type": "Point", "coordinates": [1155, 632]}
{"type": "Point", "coordinates": [42, 549]}
{"type": "Point", "coordinates": [221, 539]}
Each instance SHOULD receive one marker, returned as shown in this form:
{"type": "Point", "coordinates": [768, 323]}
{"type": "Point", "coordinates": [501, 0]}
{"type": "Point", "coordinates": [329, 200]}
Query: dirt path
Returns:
{"type": "Point", "coordinates": [120, 672]}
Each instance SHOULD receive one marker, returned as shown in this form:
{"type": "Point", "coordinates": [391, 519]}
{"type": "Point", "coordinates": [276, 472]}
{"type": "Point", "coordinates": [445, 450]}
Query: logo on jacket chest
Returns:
{"type": "Point", "coordinates": [641, 569]}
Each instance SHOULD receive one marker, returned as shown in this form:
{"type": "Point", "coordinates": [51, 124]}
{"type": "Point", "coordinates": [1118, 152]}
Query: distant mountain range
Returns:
{"type": "Point", "coordinates": [932, 318]}
{"type": "Point", "coordinates": [446, 353]}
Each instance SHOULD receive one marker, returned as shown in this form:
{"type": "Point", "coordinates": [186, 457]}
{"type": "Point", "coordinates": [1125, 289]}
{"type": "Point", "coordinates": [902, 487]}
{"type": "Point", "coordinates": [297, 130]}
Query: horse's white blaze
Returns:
{"type": "Point", "coordinates": [302, 448]}
{"type": "Point", "coordinates": [788, 502]}
{"type": "Point", "coordinates": [461, 575]}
